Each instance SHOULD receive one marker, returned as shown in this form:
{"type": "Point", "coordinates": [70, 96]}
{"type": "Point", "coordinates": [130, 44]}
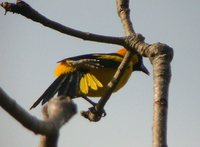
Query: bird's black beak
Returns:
{"type": "Point", "coordinates": [144, 69]}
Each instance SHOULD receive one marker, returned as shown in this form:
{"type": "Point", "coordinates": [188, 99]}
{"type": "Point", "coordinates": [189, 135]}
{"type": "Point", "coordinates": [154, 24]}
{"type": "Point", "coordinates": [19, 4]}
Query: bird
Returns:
{"type": "Point", "coordinates": [88, 75]}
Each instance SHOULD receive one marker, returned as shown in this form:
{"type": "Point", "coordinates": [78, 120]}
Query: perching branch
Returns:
{"type": "Point", "coordinates": [121, 8]}
{"type": "Point", "coordinates": [59, 112]}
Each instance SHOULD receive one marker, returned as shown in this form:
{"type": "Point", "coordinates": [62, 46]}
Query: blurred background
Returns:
{"type": "Point", "coordinates": [29, 52]}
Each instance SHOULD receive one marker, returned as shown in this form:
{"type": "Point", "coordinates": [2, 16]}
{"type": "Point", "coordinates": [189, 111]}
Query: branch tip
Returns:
{"type": "Point", "coordinates": [4, 4]}
{"type": "Point", "coordinates": [18, 1]}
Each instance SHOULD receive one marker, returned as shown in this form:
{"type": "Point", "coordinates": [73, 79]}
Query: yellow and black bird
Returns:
{"type": "Point", "coordinates": [88, 75]}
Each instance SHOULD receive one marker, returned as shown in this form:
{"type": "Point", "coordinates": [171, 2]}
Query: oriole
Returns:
{"type": "Point", "coordinates": [88, 75]}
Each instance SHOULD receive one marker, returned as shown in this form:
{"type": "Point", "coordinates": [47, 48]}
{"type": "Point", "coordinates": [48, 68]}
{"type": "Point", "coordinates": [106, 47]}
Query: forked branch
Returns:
{"type": "Point", "coordinates": [57, 113]}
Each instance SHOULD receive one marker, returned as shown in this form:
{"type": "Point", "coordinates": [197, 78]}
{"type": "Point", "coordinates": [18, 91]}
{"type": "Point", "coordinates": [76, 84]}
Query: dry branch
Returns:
{"type": "Point", "coordinates": [160, 56]}
{"type": "Point", "coordinates": [59, 112]}
{"type": "Point", "coordinates": [27, 11]}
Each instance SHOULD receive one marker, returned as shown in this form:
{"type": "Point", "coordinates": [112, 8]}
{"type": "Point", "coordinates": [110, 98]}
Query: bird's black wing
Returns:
{"type": "Point", "coordinates": [66, 84]}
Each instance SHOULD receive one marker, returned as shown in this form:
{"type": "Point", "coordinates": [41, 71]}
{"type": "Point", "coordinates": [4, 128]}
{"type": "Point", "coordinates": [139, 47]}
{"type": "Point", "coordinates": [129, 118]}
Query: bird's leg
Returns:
{"type": "Point", "coordinates": [89, 100]}
{"type": "Point", "coordinates": [94, 104]}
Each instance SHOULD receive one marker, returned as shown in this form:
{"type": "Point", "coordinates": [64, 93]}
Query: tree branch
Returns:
{"type": "Point", "coordinates": [95, 114]}
{"type": "Point", "coordinates": [27, 11]}
{"type": "Point", "coordinates": [123, 11]}
{"type": "Point", "coordinates": [121, 8]}
{"type": "Point", "coordinates": [59, 112]}
{"type": "Point", "coordinates": [160, 56]}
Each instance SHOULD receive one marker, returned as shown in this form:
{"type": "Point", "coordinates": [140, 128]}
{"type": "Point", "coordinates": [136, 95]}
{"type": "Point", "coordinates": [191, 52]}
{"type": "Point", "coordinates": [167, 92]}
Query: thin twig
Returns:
{"type": "Point", "coordinates": [26, 10]}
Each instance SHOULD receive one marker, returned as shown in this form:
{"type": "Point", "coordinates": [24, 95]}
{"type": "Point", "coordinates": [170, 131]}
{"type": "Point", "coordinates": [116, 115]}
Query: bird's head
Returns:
{"type": "Point", "coordinates": [137, 60]}
{"type": "Point", "coordinates": [139, 66]}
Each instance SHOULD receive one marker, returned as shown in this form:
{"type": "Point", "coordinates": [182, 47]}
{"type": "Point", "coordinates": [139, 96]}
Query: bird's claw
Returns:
{"type": "Point", "coordinates": [93, 115]}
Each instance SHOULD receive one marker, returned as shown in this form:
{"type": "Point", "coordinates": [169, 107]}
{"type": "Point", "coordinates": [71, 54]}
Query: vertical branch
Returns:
{"type": "Point", "coordinates": [49, 141]}
{"type": "Point", "coordinates": [161, 76]}
{"type": "Point", "coordinates": [53, 112]}
{"type": "Point", "coordinates": [124, 14]}
{"type": "Point", "coordinates": [160, 56]}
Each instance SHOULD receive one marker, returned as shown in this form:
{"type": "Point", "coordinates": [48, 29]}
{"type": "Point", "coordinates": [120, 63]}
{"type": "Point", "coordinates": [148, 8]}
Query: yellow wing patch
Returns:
{"type": "Point", "coordinates": [83, 85]}
{"type": "Point", "coordinates": [89, 81]}
{"type": "Point", "coordinates": [63, 68]}
{"type": "Point", "coordinates": [98, 83]}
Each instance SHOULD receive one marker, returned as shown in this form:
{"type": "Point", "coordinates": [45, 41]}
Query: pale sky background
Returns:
{"type": "Point", "coordinates": [29, 52]}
